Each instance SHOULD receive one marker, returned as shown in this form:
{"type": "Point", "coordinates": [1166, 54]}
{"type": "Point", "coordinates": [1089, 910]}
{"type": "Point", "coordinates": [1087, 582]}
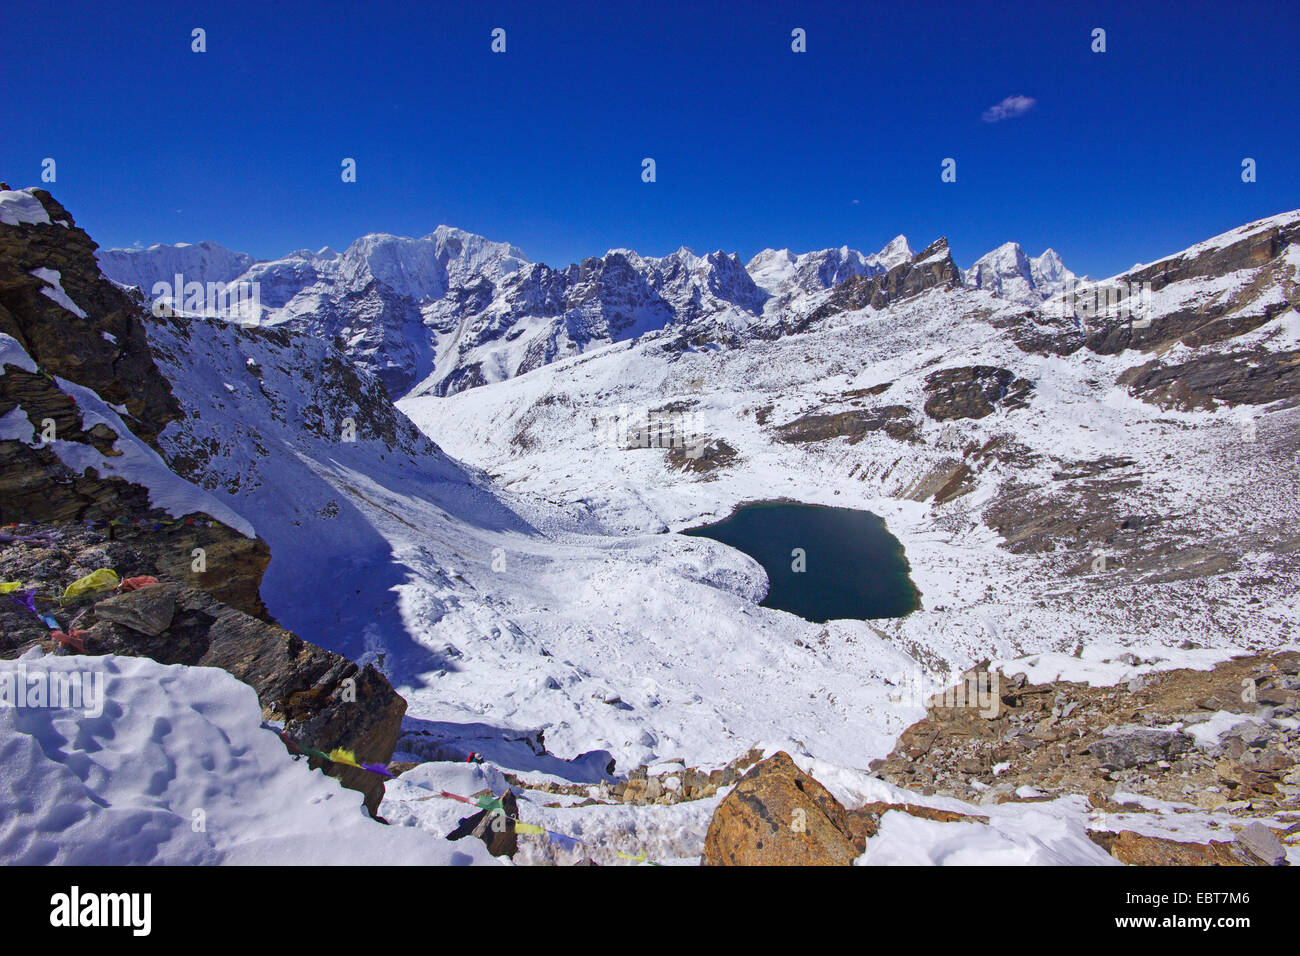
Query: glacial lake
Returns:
{"type": "Point", "coordinates": [853, 566]}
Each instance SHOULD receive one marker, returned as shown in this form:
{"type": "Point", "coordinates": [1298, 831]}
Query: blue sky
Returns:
{"type": "Point", "coordinates": [1125, 156]}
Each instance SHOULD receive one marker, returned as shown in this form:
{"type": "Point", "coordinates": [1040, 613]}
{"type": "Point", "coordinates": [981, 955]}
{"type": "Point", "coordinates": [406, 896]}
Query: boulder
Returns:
{"type": "Point", "coordinates": [778, 815]}
{"type": "Point", "coordinates": [1262, 843]}
{"type": "Point", "coordinates": [496, 830]}
{"type": "Point", "coordinates": [147, 611]}
{"type": "Point", "coordinates": [1133, 746]}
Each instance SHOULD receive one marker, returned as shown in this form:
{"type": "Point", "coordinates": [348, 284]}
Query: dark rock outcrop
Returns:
{"type": "Point", "coordinates": [324, 700]}
{"type": "Point", "coordinates": [107, 350]}
{"type": "Point", "coordinates": [894, 420]}
{"type": "Point", "coordinates": [972, 391]}
{"type": "Point", "coordinates": [76, 520]}
{"type": "Point", "coordinates": [108, 353]}
{"type": "Point", "coordinates": [1255, 248]}
{"type": "Point", "coordinates": [1201, 320]}
{"type": "Point", "coordinates": [496, 829]}
{"type": "Point", "coordinates": [702, 456]}
{"type": "Point", "coordinates": [1241, 378]}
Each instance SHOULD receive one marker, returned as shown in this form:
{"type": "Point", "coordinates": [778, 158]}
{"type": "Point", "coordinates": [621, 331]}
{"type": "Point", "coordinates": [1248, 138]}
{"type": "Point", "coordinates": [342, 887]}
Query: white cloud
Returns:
{"type": "Point", "coordinates": [1009, 108]}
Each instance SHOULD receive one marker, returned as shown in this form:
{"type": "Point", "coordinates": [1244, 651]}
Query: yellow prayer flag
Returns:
{"type": "Point", "coordinates": [340, 755]}
{"type": "Point", "coordinates": [105, 579]}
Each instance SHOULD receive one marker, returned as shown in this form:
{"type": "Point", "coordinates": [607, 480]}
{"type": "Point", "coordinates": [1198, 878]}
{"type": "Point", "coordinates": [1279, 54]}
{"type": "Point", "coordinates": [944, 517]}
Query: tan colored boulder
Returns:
{"type": "Point", "coordinates": [779, 816]}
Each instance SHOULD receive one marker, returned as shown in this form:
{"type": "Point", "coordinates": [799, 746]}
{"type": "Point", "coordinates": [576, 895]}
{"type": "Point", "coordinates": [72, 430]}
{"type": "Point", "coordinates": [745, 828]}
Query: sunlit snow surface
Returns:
{"type": "Point", "coordinates": [177, 769]}
{"type": "Point", "coordinates": [550, 597]}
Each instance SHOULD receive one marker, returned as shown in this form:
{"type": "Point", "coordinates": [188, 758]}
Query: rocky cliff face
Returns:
{"type": "Point", "coordinates": [64, 458]}
{"type": "Point", "coordinates": [540, 314]}
{"type": "Point", "coordinates": [73, 322]}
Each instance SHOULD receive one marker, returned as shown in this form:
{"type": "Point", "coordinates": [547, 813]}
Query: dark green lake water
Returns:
{"type": "Point", "coordinates": [854, 568]}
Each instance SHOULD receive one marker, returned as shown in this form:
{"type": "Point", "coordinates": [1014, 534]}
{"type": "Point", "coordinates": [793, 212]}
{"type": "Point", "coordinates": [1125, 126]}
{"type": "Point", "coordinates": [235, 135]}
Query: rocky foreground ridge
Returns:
{"type": "Point", "coordinates": [61, 377]}
{"type": "Point", "coordinates": [1212, 752]}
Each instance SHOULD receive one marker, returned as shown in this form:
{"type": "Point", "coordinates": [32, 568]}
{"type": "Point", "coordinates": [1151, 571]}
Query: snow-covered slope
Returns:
{"type": "Point", "coordinates": [485, 608]}
{"type": "Point", "coordinates": [1000, 511]}
{"type": "Point", "coordinates": [174, 766]}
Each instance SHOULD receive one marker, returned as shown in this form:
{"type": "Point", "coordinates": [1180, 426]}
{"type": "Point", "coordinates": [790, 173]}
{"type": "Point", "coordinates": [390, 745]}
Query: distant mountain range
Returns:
{"type": "Point", "coordinates": [453, 310]}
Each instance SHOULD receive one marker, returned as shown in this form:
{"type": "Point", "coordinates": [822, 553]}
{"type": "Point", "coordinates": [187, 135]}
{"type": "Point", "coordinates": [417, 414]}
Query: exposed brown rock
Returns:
{"type": "Point", "coordinates": [1208, 320]}
{"type": "Point", "coordinates": [865, 820]}
{"type": "Point", "coordinates": [972, 391]}
{"type": "Point", "coordinates": [1135, 849]}
{"type": "Point", "coordinates": [946, 480]}
{"type": "Point", "coordinates": [894, 420]}
{"type": "Point", "coordinates": [1065, 737]}
{"type": "Point", "coordinates": [120, 370]}
{"type": "Point", "coordinates": [778, 815]}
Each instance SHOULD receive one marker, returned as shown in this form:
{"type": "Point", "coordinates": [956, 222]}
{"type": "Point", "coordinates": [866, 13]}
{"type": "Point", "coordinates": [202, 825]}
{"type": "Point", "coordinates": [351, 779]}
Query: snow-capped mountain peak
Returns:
{"type": "Point", "coordinates": [786, 276]}
{"type": "Point", "coordinates": [198, 262]}
{"type": "Point", "coordinates": [1011, 274]}
{"type": "Point", "coordinates": [895, 253]}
